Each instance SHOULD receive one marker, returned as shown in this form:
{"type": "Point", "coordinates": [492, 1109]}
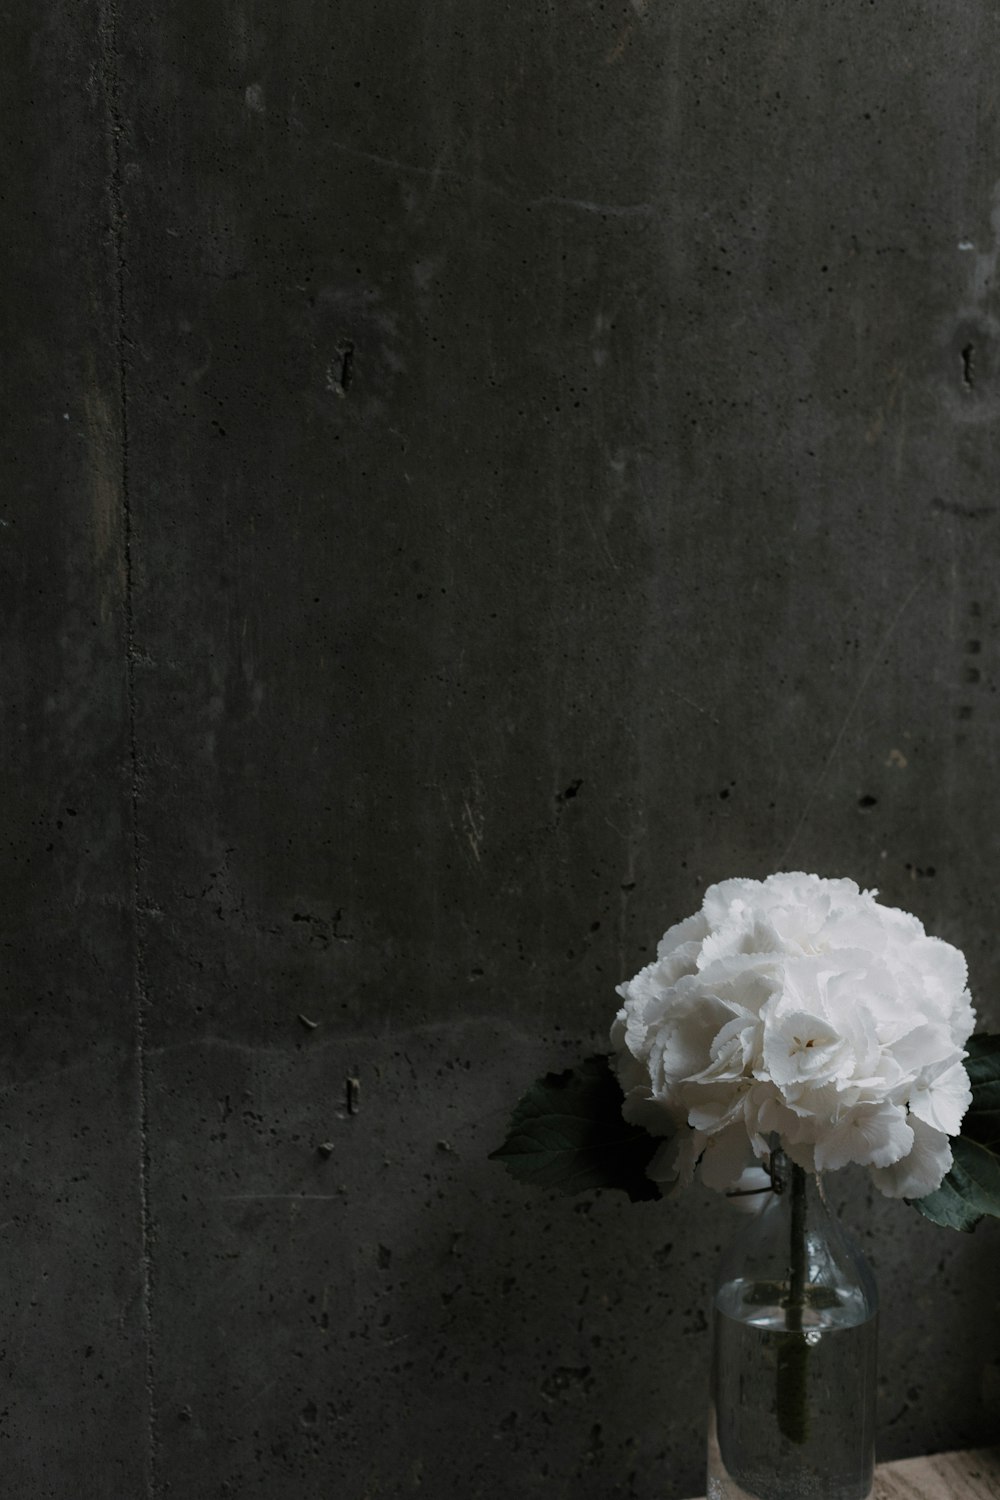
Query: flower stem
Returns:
{"type": "Point", "coordinates": [793, 1351]}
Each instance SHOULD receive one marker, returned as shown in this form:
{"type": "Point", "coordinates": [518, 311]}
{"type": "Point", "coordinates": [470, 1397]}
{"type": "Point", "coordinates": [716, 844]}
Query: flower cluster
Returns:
{"type": "Point", "coordinates": [801, 1007]}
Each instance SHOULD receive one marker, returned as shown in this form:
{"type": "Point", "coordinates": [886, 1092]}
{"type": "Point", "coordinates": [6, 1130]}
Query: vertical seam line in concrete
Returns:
{"type": "Point", "coordinates": [108, 23]}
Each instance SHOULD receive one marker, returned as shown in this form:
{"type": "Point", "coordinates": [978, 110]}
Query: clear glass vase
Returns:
{"type": "Point", "coordinates": [794, 1344]}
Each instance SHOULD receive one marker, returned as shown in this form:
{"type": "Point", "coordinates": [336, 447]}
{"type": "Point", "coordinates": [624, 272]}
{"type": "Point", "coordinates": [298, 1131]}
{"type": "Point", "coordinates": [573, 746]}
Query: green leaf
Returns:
{"type": "Point", "coordinates": [971, 1190]}
{"type": "Point", "coordinates": [983, 1061]}
{"type": "Point", "coordinates": [982, 1122]}
{"type": "Point", "coordinates": [567, 1133]}
{"type": "Point", "coordinates": [948, 1207]}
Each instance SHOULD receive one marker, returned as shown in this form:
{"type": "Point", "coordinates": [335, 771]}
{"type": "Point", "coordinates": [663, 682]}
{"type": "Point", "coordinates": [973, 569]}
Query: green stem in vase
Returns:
{"type": "Point", "coordinates": [793, 1350]}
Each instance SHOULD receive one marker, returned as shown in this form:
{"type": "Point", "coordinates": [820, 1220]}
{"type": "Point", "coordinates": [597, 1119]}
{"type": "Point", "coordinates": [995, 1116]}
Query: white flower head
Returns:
{"type": "Point", "coordinates": [798, 1007]}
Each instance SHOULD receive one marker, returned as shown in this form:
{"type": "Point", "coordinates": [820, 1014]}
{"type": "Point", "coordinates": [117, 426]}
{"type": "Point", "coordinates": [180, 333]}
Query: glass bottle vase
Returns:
{"type": "Point", "coordinates": [794, 1345]}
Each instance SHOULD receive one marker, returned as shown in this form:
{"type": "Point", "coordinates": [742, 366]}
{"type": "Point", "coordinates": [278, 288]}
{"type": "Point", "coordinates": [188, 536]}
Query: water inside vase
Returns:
{"type": "Point", "coordinates": [791, 1410]}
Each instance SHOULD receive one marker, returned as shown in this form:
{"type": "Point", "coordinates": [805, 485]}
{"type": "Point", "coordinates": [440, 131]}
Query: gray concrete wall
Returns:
{"type": "Point", "coordinates": [474, 475]}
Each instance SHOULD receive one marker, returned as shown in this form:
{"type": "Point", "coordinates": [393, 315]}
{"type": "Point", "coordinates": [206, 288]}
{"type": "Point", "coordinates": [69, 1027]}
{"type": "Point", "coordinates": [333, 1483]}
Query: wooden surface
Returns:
{"type": "Point", "coordinates": [947, 1476]}
{"type": "Point", "coordinates": [974, 1475]}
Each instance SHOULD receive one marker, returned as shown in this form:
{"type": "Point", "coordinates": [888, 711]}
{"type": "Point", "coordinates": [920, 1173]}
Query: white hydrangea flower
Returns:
{"type": "Point", "coordinates": [800, 1007]}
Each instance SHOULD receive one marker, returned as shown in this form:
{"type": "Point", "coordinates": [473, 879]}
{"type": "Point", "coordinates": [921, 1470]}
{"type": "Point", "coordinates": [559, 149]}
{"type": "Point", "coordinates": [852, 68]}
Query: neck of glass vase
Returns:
{"type": "Point", "coordinates": [791, 1181]}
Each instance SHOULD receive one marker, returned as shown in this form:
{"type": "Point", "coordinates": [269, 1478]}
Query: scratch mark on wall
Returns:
{"type": "Point", "coordinates": [353, 1039]}
{"type": "Point", "coordinates": [257, 1396]}
{"type": "Point", "coordinates": [589, 206]}
{"type": "Point", "coordinates": [473, 829]}
{"type": "Point", "coordinates": [279, 1197]}
{"type": "Point", "coordinates": [885, 410]}
{"type": "Point", "coordinates": [600, 541]}
{"type": "Point", "coordinates": [617, 49]}
{"type": "Point", "coordinates": [439, 172]}
{"type": "Point", "coordinates": [473, 816]}
{"type": "Point", "coordinates": [848, 716]}
{"type": "Point", "coordinates": [21, 1085]}
{"type": "Point", "coordinates": [673, 693]}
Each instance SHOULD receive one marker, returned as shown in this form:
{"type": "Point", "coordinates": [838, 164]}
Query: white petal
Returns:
{"type": "Point", "coordinates": [733, 1051]}
{"type": "Point", "coordinates": [726, 1157]}
{"type": "Point", "coordinates": [962, 1020]}
{"type": "Point", "coordinates": [772, 1116]}
{"type": "Point", "coordinates": [802, 1153]}
{"type": "Point", "coordinates": [941, 1101]}
{"type": "Point", "coordinates": [693, 930]}
{"type": "Point", "coordinates": [869, 1134]}
{"type": "Point", "coordinates": [943, 966]}
{"type": "Point", "coordinates": [673, 1163]}
{"type": "Point", "coordinates": [823, 1103]}
{"type": "Point", "coordinates": [922, 1170]}
{"type": "Point", "coordinates": [747, 933]}
{"type": "Point", "coordinates": [722, 898]}
{"type": "Point", "coordinates": [711, 1107]}
{"type": "Point", "coordinates": [922, 1047]}
{"type": "Point", "coordinates": [683, 1042]}
{"type": "Point", "coordinates": [801, 1047]}
{"type": "Point", "coordinates": [632, 1073]}
{"type": "Point", "coordinates": [655, 1115]}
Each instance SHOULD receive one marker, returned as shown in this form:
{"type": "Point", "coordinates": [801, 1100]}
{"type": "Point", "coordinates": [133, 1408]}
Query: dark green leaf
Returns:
{"type": "Point", "coordinates": [948, 1207]}
{"type": "Point", "coordinates": [567, 1133]}
{"type": "Point", "coordinates": [971, 1190]}
{"type": "Point", "coordinates": [983, 1049]}
{"type": "Point", "coordinates": [982, 1122]}
{"type": "Point", "coordinates": [983, 1126]}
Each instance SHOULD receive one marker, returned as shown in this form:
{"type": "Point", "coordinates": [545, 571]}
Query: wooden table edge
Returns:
{"type": "Point", "coordinates": [969, 1474]}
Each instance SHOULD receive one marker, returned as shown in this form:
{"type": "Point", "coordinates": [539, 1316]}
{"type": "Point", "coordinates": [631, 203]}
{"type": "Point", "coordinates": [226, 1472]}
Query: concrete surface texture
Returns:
{"type": "Point", "coordinates": [474, 474]}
